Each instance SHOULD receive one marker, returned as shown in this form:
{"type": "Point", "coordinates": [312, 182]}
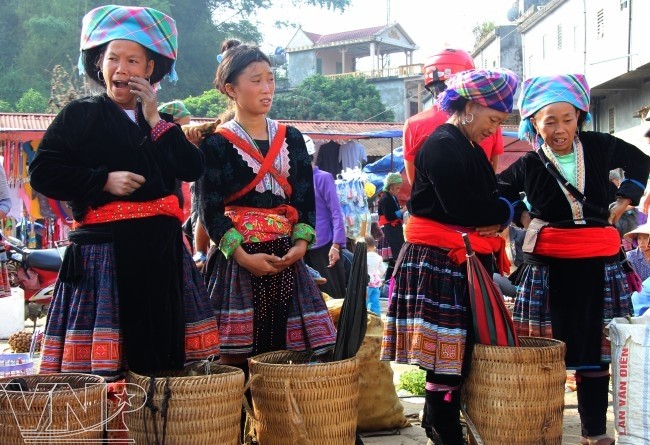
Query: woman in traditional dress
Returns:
{"type": "Point", "coordinates": [256, 202]}
{"type": "Point", "coordinates": [640, 256]}
{"type": "Point", "coordinates": [128, 294]}
{"type": "Point", "coordinates": [572, 283]}
{"type": "Point", "coordinates": [390, 217]}
{"type": "Point", "coordinates": [454, 191]}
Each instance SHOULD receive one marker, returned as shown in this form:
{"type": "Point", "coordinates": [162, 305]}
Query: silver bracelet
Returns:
{"type": "Point", "coordinates": [334, 248]}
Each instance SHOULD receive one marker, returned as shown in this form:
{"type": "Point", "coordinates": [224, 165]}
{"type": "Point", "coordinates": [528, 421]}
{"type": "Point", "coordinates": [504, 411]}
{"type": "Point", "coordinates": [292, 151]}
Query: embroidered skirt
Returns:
{"type": "Point", "coordinates": [427, 319]}
{"type": "Point", "coordinates": [533, 308]}
{"type": "Point", "coordinates": [269, 313]}
{"type": "Point", "coordinates": [83, 327]}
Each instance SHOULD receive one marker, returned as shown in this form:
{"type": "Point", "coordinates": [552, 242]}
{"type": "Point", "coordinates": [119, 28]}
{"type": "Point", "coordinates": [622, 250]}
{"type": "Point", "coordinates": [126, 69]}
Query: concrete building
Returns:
{"type": "Point", "coordinates": [606, 41]}
{"type": "Point", "coordinates": [397, 78]}
{"type": "Point", "coordinates": [501, 48]}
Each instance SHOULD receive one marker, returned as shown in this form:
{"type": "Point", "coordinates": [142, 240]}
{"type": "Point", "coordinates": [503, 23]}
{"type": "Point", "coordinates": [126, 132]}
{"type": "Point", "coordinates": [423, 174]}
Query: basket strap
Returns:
{"type": "Point", "coordinates": [297, 421]}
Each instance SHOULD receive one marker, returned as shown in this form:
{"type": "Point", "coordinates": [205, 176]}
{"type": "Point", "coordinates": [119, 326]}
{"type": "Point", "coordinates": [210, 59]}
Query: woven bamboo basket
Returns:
{"type": "Point", "coordinates": [54, 408]}
{"type": "Point", "coordinates": [516, 395]}
{"type": "Point", "coordinates": [201, 408]}
{"type": "Point", "coordinates": [299, 403]}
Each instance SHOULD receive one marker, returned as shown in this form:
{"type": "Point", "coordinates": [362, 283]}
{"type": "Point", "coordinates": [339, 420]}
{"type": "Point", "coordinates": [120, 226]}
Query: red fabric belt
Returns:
{"type": "Point", "coordinates": [428, 232]}
{"type": "Point", "coordinates": [587, 242]}
{"type": "Point", "coordinates": [383, 221]}
{"type": "Point", "coordinates": [120, 210]}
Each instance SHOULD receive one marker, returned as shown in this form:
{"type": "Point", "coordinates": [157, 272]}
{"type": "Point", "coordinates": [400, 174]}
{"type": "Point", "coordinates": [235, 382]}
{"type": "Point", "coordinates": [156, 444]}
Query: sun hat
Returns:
{"type": "Point", "coordinates": [642, 229]}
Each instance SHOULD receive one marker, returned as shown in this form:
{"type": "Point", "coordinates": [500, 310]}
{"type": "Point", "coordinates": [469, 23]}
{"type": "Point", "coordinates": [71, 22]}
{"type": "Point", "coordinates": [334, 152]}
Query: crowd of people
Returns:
{"type": "Point", "coordinates": [266, 219]}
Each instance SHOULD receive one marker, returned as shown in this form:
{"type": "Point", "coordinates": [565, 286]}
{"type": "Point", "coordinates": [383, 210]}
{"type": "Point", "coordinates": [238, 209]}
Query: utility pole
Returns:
{"type": "Point", "coordinates": [388, 12]}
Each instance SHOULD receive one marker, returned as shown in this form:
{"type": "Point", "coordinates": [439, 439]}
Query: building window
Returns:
{"type": "Point", "coordinates": [600, 24]}
{"type": "Point", "coordinates": [575, 39]}
{"type": "Point", "coordinates": [612, 127]}
{"type": "Point", "coordinates": [623, 4]}
{"type": "Point", "coordinates": [559, 36]}
{"type": "Point", "coordinates": [530, 65]}
{"type": "Point", "coordinates": [319, 66]}
{"type": "Point", "coordinates": [544, 46]}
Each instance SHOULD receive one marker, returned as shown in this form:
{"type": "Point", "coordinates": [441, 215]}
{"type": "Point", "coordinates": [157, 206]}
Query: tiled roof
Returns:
{"type": "Point", "coordinates": [24, 121]}
{"type": "Point", "coordinates": [312, 36]}
{"type": "Point", "coordinates": [349, 35]}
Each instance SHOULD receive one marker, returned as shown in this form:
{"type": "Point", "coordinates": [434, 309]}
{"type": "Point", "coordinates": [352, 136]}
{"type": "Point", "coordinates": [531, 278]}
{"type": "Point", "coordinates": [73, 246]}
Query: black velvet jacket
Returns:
{"type": "Point", "coordinates": [227, 172]}
{"type": "Point", "coordinates": [91, 137]}
{"type": "Point", "coordinates": [602, 153]}
{"type": "Point", "coordinates": [455, 183]}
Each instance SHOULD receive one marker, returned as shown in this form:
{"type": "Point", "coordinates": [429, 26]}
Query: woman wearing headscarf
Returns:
{"type": "Point", "coordinates": [256, 201]}
{"type": "Point", "coordinates": [572, 283]}
{"type": "Point", "coordinates": [128, 294]}
{"type": "Point", "coordinates": [454, 192]}
{"type": "Point", "coordinates": [391, 216]}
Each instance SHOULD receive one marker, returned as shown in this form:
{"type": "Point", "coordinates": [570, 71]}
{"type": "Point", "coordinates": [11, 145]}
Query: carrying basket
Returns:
{"type": "Point", "coordinates": [52, 408]}
{"type": "Point", "coordinates": [200, 405]}
{"type": "Point", "coordinates": [515, 395]}
{"type": "Point", "coordinates": [296, 402]}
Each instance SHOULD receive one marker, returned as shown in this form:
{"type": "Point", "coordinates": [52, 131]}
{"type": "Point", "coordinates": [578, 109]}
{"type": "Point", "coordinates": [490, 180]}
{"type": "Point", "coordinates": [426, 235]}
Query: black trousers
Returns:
{"type": "Point", "coordinates": [335, 275]}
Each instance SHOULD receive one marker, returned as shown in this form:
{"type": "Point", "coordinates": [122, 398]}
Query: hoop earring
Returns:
{"type": "Point", "coordinates": [149, 79]}
{"type": "Point", "coordinates": [100, 77]}
{"type": "Point", "coordinates": [470, 118]}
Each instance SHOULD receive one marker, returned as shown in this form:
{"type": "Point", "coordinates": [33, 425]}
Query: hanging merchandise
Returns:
{"type": "Point", "coordinates": [350, 188]}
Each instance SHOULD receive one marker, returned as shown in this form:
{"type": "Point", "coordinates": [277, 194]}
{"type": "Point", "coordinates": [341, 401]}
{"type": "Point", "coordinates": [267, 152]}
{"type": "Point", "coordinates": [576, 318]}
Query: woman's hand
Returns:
{"type": "Point", "coordinates": [334, 255]}
{"type": "Point", "coordinates": [489, 231]}
{"type": "Point", "coordinates": [258, 264]}
{"type": "Point", "coordinates": [123, 183]}
{"type": "Point", "coordinates": [617, 209]}
{"type": "Point", "coordinates": [193, 134]}
{"type": "Point", "coordinates": [147, 96]}
{"type": "Point", "coordinates": [296, 253]}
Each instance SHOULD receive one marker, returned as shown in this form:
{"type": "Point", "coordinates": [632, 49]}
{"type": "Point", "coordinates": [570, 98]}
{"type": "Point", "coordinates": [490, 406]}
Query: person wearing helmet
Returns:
{"type": "Point", "coordinates": [324, 255]}
{"type": "Point", "coordinates": [437, 70]}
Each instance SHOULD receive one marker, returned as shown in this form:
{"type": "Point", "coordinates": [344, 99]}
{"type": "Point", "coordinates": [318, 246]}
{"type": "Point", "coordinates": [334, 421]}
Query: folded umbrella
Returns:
{"type": "Point", "coordinates": [492, 322]}
{"type": "Point", "coordinates": [354, 315]}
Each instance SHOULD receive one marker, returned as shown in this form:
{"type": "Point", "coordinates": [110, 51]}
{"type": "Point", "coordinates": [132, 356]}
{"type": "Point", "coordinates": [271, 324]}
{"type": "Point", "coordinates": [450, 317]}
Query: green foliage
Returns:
{"type": "Point", "coordinates": [32, 102]}
{"type": "Point", "coordinates": [345, 98]}
{"type": "Point", "coordinates": [41, 34]}
{"type": "Point", "coordinates": [413, 381]}
{"type": "Point", "coordinates": [5, 107]}
{"type": "Point", "coordinates": [481, 30]}
{"type": "Point", "coordinates": [209, 104]}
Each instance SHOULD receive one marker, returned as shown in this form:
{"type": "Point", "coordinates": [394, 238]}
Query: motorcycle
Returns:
{"type": "Point", "coordinates": [35, 271]}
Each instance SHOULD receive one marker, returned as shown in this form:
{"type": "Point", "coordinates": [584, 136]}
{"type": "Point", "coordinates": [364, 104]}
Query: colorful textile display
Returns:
{"type": "Point", "coordinates": [350, 188]}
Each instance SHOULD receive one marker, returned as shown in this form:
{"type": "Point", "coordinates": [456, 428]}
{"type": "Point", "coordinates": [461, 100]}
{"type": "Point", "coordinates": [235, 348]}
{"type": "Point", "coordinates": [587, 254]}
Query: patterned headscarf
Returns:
{"type": "Point", "coordinates": [392, 178]}
{"type": "Point", "coordinates": [176, 108]}
{"type": "Point", "coordinates": [147, 26]}
{"type": "Point", "coordinates": [538, 92]}
{"type": "Point", "coordinates": [491, 88]}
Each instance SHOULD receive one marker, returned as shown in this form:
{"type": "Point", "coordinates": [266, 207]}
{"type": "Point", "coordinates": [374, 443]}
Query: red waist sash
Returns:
{"type": "Point", "coordinates": [426, 231]}
{"type": "Point", "coordinates": [587, 242]}
{"type": "Point", "coordinates": [121, 210]}
{"type": "Point", "coordinates": [383, 221]}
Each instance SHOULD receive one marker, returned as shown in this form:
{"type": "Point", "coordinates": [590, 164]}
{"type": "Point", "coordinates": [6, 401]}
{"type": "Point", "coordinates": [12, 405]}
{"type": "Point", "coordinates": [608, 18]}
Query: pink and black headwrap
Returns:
{"type": "Point", "coordinates": [491, 88]}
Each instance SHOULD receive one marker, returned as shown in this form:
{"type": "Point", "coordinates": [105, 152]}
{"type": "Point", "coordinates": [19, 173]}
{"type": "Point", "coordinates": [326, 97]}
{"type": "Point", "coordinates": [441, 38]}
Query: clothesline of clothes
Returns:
{"type": "Point", "coordinates": [334, 158]}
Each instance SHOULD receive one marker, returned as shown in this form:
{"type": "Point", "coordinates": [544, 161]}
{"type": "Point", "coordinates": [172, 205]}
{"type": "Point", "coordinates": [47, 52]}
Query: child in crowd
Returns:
{"type": "Point", "coordinates": [376, 271]}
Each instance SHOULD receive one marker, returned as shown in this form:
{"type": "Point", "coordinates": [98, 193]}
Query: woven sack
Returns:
{"type": "Point", "coordinates": [300, 403]}
{"type": "Point", "coordinates": [379, 406]}
{"type": "Point", "coordinates": [203, 405]}
{"type": "Point", "coordinates": [54, 408]}
{"type": "Point", "coordinates": [515, 395]}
